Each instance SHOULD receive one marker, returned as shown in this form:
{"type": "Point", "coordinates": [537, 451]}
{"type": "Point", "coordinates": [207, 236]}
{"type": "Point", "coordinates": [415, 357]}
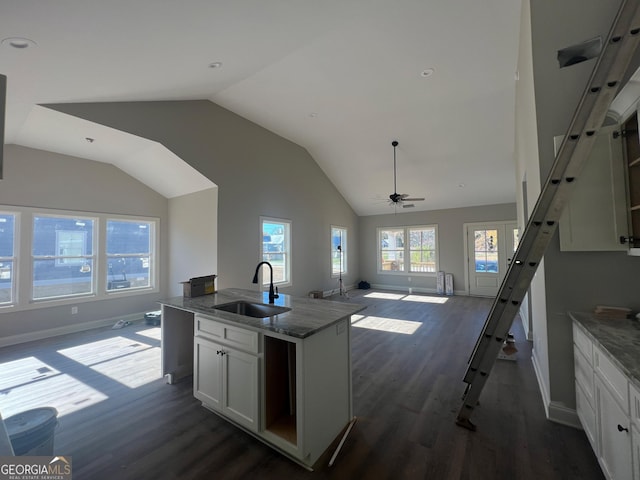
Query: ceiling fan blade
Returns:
{"type": "Point", "coordinates": [409, 205]}
{"type": "Point", "coordinates": [413, 199]}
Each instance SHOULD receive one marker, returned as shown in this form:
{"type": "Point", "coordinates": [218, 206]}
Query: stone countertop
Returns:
{"type": "Point", "coordinates": [619, 339]}
{"type": "Point", "coordinates": [306, 317]}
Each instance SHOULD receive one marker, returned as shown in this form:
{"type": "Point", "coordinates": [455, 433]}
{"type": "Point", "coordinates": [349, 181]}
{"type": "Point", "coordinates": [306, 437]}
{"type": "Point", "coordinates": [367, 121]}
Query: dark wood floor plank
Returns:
{"type": "Point", "coordinates": [119, 420]}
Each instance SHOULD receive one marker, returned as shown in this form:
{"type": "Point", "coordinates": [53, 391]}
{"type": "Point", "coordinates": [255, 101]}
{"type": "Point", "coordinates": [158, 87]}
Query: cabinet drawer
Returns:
{"type": "Point", "coordinates": [240, 338]}
{"type": "Point", "coordinates": [583, 343]}
{"type": "Point", "coordinates": [634, 400]}
{"type": "Point", "coordinates": [584, 376]}
{"type": "Point", "coordinates": [612, 377]}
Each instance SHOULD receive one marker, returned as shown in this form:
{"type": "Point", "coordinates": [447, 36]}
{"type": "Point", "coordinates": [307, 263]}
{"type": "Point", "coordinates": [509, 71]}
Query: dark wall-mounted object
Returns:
{"type": "Point", "coordinates": [579, 53]}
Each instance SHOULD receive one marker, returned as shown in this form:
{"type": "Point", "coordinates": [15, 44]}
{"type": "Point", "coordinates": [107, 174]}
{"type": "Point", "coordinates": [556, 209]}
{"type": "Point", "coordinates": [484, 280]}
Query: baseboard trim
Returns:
{"type": "Point", "coordinates": [546, 400]}
{"type": "Point", "coordinates": [555, 411]}
{"type": "Point", "coordinates": [405, 289]}
{"type": "Point", "coordinates": [55, 332]}
{"type": "Point", "coordinates": [559, 413]}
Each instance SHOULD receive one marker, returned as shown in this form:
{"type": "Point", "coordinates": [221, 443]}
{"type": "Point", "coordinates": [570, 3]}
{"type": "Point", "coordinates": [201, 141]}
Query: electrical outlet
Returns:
{"type": "Point", "coordinates": [74, 310]}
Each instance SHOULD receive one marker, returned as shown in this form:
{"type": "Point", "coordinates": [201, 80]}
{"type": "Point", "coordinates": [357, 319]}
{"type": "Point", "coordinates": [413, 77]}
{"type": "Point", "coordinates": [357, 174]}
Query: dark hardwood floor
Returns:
{"type": "Point", "coordinates": [119, 420]}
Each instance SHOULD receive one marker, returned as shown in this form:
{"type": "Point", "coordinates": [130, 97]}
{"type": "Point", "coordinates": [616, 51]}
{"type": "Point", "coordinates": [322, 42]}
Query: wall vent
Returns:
{"type": "Point", "coordinates": [579, 53]}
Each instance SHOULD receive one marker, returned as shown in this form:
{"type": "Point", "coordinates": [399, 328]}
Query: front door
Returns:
{"type": "Point", "coordinates": [490, 248]}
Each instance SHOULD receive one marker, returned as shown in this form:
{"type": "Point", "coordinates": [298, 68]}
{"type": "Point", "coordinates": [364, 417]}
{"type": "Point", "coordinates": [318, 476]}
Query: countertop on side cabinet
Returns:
{"type": "Point", "coordinates": [306, 317]}
{"type": "Point", "coordinates": [619, 339]}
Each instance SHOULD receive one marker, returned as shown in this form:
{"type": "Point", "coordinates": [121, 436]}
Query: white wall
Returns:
{"type": "Point", "coordinates": [193, 237]}
{"type": "Point", "coordinates": [258, 173]}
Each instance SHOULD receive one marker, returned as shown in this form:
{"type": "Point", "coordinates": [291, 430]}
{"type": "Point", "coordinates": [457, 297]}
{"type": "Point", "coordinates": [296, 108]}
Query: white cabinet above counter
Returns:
{"type": "Point", "coordinates": [284, 377]}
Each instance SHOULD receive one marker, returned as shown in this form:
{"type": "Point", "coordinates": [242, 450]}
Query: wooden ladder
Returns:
{"type": "Point", "coordinates": [588, 118]}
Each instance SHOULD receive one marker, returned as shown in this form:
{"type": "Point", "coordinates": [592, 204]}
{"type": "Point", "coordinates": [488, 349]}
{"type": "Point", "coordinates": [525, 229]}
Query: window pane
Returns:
{"type": "Point", "coordinates": [6, 281]}
{"type": "Point", "coordinates": [392, 250]}
{"type": "Point", "coordinates": [129, 254]}
{"type": "Point", "coordinates": [486, 250]}
{"type": "Point", "coordinates": [276, 241]}
{"type": "Point", "coordinates": [422, 248]}
{"type": "Point", "coordinates": [338, 250]}
{"type": "Point", "coordinates": [62, 236]}
{"type": "Point", "coordinates": [51, 280]}
{"type": "Point", "coordinates": [7, 241]}
{"type": "Point", "coordinates": [62, 252]}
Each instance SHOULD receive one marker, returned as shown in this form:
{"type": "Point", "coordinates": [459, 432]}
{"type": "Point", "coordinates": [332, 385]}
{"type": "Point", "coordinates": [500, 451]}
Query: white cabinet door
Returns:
{"type": "Point", "coordinates": [635, 443]}
{"type": "Point", "coordinates": [226, 380]}
{"type": "Point", "coordinates": [207, 373]}
{"type": "Point", "coordinates": [614, 435]}
{"type": "Point", "coordinates": [595, 217]}
{"type": "Point", "coordinates": [240, 387]}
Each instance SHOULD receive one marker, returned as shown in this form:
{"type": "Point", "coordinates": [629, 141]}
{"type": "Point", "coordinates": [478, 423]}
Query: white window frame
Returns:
{"type": "Point", "coordinates": [334, 253]}
{"type": "Point", "coordinates": [406, 250]}
{"type": "Point", "coordinates": [22, 294]}
{"type": "Point", "coordinates": [61, 259]}
{"type": "Point", "coordinates": [13, 259]}
{"type": "Point", "coordinates": [286, 252]}
{"type": "Point", "coordinates": [153, 226]}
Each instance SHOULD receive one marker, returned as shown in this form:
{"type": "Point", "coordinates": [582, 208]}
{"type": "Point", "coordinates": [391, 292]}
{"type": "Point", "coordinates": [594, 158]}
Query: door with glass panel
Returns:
{"type": "Point", "coordinates": [490, 248]}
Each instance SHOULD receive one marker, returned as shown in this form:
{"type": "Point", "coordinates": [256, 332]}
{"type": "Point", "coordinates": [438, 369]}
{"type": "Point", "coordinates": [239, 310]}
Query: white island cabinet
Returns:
{"type": "Point", "coordinates": [225, 370]}
{"type": "Point", "coordinates": [285, 379]}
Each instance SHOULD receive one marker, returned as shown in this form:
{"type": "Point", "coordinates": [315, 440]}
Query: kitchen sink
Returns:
{"type": "Point", "coordinates": [250, 309]}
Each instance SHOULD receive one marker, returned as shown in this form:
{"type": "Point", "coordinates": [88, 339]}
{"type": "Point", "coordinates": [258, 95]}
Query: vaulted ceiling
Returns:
{"type": "Point", "coordinates": [342, 78]}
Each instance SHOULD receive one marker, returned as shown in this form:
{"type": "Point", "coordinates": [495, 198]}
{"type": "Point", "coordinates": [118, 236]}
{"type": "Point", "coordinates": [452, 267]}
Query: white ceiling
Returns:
{"type": "Point", "coordinates": [341, 78]}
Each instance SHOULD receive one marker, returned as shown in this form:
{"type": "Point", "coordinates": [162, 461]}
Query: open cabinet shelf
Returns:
{"type": "Point", "coordinates": [280, 389]}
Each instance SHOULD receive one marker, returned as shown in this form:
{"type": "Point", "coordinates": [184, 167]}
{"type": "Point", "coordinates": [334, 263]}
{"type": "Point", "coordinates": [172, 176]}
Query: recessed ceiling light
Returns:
{"type": "Point", "coordinates": [18, 42]}
{"type": "Point", "coordinates": [427, 72]}
{"type": "Point", "coordinates": [215, 65]}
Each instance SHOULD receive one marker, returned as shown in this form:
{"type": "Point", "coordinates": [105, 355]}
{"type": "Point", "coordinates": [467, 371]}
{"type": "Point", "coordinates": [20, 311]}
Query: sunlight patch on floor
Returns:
{"type": "Point", "coordinates": [133, 370]}
{"type": "Point", "coordinates": [425, 299]}
{"type": "Point", "coordinates": [153, 332]}
{"type": "Point", "coordinates": [55, 391]}
{"type": "Point", "coordinates": [103, 350]}
{"type": "Point", "coordinates": [24, 371]}
{"type": "Point", "coordinates": [126, 361]}
{"type": "Point", "coordinates": [385, 296]}
{"type": "Point", "coordinates": [391, 325]}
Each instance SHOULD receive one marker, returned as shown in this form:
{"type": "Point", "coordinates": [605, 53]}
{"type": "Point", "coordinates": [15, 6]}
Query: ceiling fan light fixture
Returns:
{"type": "Point", "coordinates": [399, 198]}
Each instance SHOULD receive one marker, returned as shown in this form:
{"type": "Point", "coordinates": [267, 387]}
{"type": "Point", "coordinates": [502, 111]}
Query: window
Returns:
{"type": "Point", "coordinates": [338, 251]}
{"type": "Point", "coordinates": [129, 254]}
{"type": "Point", "coordinates": [73, 256]}
{"type": "Point", "coordinates": [391, 249]}
{"type": "Point", "coordinates": [421, 249]}
{"type": "Point", "coordinates": [276, 249]}
{"type": "Point", "coordinates": [7, 258]}
{"type": "Point", "coordinates": [63, 257]}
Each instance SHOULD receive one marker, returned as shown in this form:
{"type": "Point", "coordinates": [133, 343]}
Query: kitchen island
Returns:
{"type": "Point", "coordinates": [285, 377]}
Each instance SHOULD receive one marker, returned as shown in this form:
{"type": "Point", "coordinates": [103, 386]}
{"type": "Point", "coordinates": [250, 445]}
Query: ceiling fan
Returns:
{"type": "Point", "coordinates": [400, 198]}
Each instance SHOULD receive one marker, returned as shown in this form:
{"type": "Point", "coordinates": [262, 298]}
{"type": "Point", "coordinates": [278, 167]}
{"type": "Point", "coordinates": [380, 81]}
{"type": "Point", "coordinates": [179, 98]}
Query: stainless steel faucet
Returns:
{"type": "Point", "coordinates": [272, 295]}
